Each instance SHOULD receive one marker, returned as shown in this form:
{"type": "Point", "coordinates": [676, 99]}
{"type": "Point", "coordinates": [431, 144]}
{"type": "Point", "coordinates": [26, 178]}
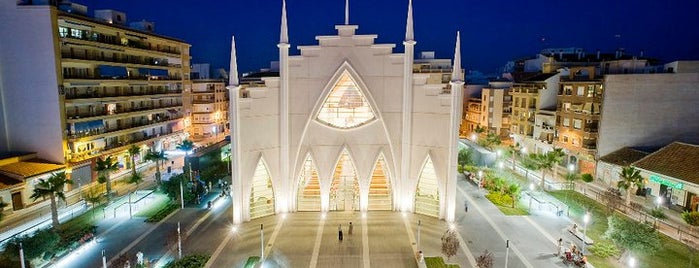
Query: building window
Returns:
{"type": "Point", "coordinates": [577, 123]}
{"type": "Point", "coordinates": [566, 122]}
{"type": "Point", "coordinates": [568, 90]}
{"type": "Point", "coordinates": [590, 90]}
{"type": "Point", "coordinates": [565, 139]}
{"type": "Point", "coordinates": [63, 31]}
{"type": "Point", "coordinates": [516, 102]}
{"type": "Point", "coordinates": [345, 107]}
{"type": "Point", "coordinates": [566, 106]}
{"type": "Point", "coordinates": [581, 91]}
{"type": "Point", "coordinates": [76, 33]}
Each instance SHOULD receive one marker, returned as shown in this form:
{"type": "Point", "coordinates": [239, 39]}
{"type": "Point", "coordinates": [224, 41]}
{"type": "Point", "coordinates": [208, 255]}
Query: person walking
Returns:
{"type": "Point", "coordinates": [559, 246]}
{"type": "Point", "coordinates": [465, 206]}
{"type": "Point", "coordinates": [349, 231]}
{"type": "Point", "coordinates": [339, 231]}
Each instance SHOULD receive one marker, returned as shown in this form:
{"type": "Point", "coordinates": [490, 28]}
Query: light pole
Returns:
{"type": "Point", "coordinates": [181, 196]}
{"type": "Point", "coordinates": [21, 254]}
{"type": "Point", "coordinates": [586, 219]}
{"type": "Point", "coordinates": [104, 260]}
{"type": "Point", "coordinates": [531, 191]}
{"type": "Point", "coordinates": [658, 202]}
{"type": "Point", "coordinates": [179, 241]}
{"type": "Point", "coordinates": [507, 253]}
{"type": "Point", "coordinates": [632, 261]}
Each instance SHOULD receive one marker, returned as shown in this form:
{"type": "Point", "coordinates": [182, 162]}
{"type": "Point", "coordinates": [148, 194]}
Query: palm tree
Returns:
{"type": "Point", "coordinates": [104, 168]}
{"type": "Point", "coordinates": [133, 152]}
{"type": "Point", "coordinates": [557, 155]}
{"type": "Point", "coordinates": [545, 163]}
{"type": "Point", "coordinates": [52, 187]}
{"type": "Point", "coordinates": [514, 151]}
{"type": "Point", "coordinates": [158, 158]}
{"type": "Point", "coordinates": [186, 146]}
{"type": "Point", "coordinates": [529, 163]}
{"type": "Point", "coordinates": [630, 177]}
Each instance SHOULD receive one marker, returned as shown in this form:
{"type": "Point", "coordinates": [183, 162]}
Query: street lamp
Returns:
{"type": "Point", "coordinates": [632, 261]}
{"type": "Point", "coordinates": [586, 219]}
{"type": "Point", "coordinates": [523, 150]}
{"type": "Point", "coordinates": [571, 167]}
{"type": "Point", "coordinates": [531, 189]}
{"type": "Point", "coordinates": [474, 137]}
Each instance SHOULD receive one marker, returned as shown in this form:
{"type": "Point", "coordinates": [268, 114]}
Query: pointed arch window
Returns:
{"type": "Point", "coordinates": [345, 107]}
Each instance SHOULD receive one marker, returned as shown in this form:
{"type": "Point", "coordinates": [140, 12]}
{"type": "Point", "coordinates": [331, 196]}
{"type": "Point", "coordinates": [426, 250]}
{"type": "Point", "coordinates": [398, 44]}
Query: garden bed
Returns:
{"type": "Point", "coordinates": [438, 262]}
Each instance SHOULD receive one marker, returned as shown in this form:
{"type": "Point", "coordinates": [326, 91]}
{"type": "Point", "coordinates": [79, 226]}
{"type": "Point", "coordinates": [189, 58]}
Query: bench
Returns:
{"type": "Point", "coordinates": [580, 236]}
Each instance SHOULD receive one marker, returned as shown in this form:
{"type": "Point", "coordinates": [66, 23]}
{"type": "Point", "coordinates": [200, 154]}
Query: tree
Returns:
{"type": "Point", "coordinates": [557, 156]}
{"type": "Point", "coordinates": [547, 162]}
{"type": "Point", "coordinates": [630, 177]}
{"type": "Point", "coordinates": [691, 217]}
{"type": "Point", "coordinates": [94, 198]}
{"type": "Point", "coordinates": [133, 152]}
{"type": "Point", "coordinates": [530, 164]}
{"type": "Point", "coordinates": [490, 140]}
{"type": "Point", "coordinates": [136, 178]}
{"type": "Point", "coordinates": [513, 190]}
{"type": "Point", "coordinates": [570, 179]}
{"type": "Point", "coordinates": [450, 244]}
{"type": "Point", "coordinates": [587, 179]}
{"type": "Point", "coordinates": [104, 168]}
{"type": "Point", "coordinates": [513, 150]}
{"type": "Point", "coordinates": [633, 236]}
{"type": "Point", "coordinates": [158, 158]}
{"type": "Point", "coordinates": [485, 260]}
{"type": "Point", "coordinates": [52, 188]}
{"type": "Point", "coordinates": [464, 158]}
{"type": "Point", "coordinates": [186, 146]}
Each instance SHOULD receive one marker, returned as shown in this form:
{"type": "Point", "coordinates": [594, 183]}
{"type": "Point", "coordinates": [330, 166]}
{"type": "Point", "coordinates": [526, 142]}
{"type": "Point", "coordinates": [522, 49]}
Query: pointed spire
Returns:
{"type": "Point", "coordinates": [233, 75]}
{"type": "Point", "coordinates": [409, 24]}
{"type": "Point", "coordinates": [284, 33]}
{"type": "Point", "coordinates": [346, 12]}
{"type": "Point", "coordinates": [456, 72]}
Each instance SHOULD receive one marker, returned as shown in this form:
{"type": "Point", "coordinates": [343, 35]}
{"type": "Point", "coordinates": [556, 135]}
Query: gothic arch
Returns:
{"type": "Point", "coordinates": [261, 191]}
{"type": "Point", "coordinates": [427, 196]}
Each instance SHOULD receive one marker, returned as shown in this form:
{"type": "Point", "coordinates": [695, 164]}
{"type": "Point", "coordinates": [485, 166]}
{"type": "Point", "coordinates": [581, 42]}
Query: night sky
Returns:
{"type": "Point", "coordinates": [492, 31]}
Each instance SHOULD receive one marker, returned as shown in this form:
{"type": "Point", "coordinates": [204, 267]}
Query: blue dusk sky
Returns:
{"type": "Point", "coordinates": [492, 31]}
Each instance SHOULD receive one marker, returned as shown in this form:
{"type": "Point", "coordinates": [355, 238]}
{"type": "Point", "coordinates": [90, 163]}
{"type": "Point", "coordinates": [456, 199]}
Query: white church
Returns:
{"type": "Point", "coordinates": [348, 125]}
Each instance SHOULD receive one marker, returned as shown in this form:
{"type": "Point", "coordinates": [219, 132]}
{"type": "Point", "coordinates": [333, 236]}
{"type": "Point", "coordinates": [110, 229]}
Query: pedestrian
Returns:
{"type": "Point", "coordinates": [559, 246]}
{"type": "Point", "coordinates": [349, 232]}
{"type": "Point", "coordinates": [465, 206]}
{"type": "Point", "coordinates": [339, 230]}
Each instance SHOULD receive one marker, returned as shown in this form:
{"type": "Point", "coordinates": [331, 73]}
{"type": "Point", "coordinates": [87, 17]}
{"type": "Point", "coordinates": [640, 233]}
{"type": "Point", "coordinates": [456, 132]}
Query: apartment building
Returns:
{"type": "Point", "coordinates": [76, 88]}
{"type": "Point", "coordinates": [208, 118]}
{"type": "Point", "coordinates": [496, 107]}
{"type": "Point", "coordinates": [578, 116]}
{"type": "Point", "coordinates": [531, 94]}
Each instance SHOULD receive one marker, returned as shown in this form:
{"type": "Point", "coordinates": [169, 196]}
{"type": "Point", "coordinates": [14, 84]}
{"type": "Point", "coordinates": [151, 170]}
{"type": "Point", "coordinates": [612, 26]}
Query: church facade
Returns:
{"type": "Point", "coordinates": [347, 125]}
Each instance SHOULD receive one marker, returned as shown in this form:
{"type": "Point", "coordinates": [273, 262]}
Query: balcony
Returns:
{"type": "Point", "coordinates": [88, 116]}
{"type": "Point", "coordinates": [115, 42]}
{"type": "Point", "coordinates": [130, 77]}
{"type": "Point", "coordinates": [122, 60]}
{"type": "Point", "coordinates": [126, 93]}
{"type": "Point", "coordinates": [123, 128]}
{"type": "Point", "coordinates": [117, 146]}
{"type": "Point", "coordinates": [203, 101]}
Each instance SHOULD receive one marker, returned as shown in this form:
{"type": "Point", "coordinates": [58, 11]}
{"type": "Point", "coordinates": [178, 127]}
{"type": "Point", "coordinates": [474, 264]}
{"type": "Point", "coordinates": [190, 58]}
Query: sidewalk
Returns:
{"type": "Point", "coordinates": [39, 215]}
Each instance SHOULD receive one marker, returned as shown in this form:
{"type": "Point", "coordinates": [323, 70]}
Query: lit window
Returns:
{"type": "Point", "coordinates": [62, 31]}
{"type": "Point", "coordinates": [345, 107]}
{"type": "Point", "coordinates": [76, 33]}
{"type": "Point", "coordinates": [581, 90]}
{"type": "Point", "coordinates": [566, 122]}
{"type": "Point", "coordinates": [577, 123]}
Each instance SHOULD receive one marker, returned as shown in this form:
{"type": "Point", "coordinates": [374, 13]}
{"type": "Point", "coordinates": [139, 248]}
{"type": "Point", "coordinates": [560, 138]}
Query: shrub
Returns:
{"type": "Point", "coordinates": [657, 213]}
{"type": "Point", "coordinates": [500, 199]}
{"type": "Point", "coordinates": [604, 249]}
{"type": "Point", "coordinates": [691, 218]}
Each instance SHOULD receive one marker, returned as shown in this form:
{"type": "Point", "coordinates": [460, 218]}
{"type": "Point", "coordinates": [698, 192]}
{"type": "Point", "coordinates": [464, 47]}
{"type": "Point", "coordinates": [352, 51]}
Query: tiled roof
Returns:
{"type": "Point", "coordinates": [7, 182]}
{"type": "Point", "coordinates": [30, 168]}
{"type": "Point", "coordinates": [677, 160]}
{"type": "Point", "coordinates": [624, 156]}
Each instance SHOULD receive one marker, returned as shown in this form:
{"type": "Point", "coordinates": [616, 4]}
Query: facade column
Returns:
{"type": "Point", "coordinates": [234, 123]}
{"type": "Point", "coordinates": [405, 183]}
{"type": "Point", "coordinates": [285, 196]}
{"type": "Point", "coordinates": [457, 88]}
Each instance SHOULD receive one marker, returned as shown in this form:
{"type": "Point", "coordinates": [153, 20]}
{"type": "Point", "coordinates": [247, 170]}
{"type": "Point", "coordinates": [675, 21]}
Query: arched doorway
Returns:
{"type": "Point", "coordinates": [427, 193]}
{"type": "Point", "coordinates": [261, 194]}
{"type": "Point", "coordinates": [344, 190]}
{"type": "Point", "coordinates": [308, 197]}
{"type": "Point", "coordinates": [380, 196]}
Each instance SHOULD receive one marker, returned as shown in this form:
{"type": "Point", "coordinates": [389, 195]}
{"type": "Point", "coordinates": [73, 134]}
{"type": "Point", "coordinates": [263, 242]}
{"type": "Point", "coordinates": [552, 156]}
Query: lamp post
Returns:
{"type": "Point", "coordinates": [262, 243]}
{"type": "Point", "coordinates": [531, 191]}
{"type": "Point", "coordinates": [586, 219]}
{"type": "Point", "coordinates": [632, 261]}
{"type": "Point", "coordinates": [179, 241]}
{"type": "Point", "coordinates": [658, 202]}
{"type": "Point", "coordinates": [418, 234]}
{"type": "Point", "coordinates": [21, 254]}
{"type": "Point", "coordinates": [104, 260]}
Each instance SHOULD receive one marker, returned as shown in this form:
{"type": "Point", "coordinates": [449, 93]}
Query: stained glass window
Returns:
{"type": "Point", "coordinates": [346, 107]}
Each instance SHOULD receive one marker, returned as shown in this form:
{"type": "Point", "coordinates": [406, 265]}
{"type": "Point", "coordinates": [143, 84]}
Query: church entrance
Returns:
{"type": "Point", "coordinates": [344, 190]}
{"type": "Point", "coordinates": [427, 193]}
{"type": "Point", "coordinates": [380, 196]}
{"type": "Point", "coordinates": [262, 193]}
{"type": "Point", "coordinates": [308, 197]}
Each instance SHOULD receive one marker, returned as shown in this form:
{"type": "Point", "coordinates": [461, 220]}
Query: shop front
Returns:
{"type": "Point", "coordinates": [673, 192]}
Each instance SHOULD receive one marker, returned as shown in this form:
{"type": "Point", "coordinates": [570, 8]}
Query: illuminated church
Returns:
{"type": "Point", "coordinates": [347, 125]}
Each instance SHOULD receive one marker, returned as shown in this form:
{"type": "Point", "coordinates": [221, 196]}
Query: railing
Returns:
{"type": "Point", "coordinates": [130, 77]}
{"type": "Point", "coordinates": [76, 157]}
{"type": "Point", "coordinates": [118, 111]}
{"type": "Point", "coordinates": [113, 40]}
{"type": "Point", "coordinates": [129, 60]}
{"type": "Point", "coordinates": [95, 94]}
{"type": "Point", "coordinates": [139, 124]}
